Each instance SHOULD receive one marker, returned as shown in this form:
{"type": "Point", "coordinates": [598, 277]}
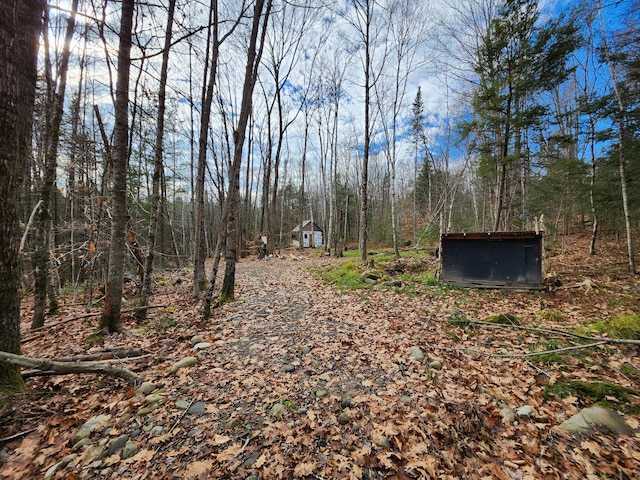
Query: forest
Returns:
{"type": "Point", "coordinates": [147, 146]}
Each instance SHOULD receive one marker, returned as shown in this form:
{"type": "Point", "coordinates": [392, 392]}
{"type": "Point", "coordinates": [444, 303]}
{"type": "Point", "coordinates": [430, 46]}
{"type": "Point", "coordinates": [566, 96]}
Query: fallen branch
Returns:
{"type": "Point", "coordinates": [80, 317]}
{"type": "Point", "coordinates": [624, 341]}
{"type": "Point", "coordinates": [514, 355]}
{"type": "Point", "coordinates": [15, 436]}
{"type": "Point", "coordinates": [107, 355]}
{"type": "Point", "coordinates": [45, 364]}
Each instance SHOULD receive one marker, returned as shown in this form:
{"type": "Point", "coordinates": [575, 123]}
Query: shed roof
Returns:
{"type": "Point", "coordinates": [305, 225]}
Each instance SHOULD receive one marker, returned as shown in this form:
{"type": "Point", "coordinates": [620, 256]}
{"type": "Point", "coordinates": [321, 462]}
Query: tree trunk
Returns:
{"type": "Point", "coordinates": [625, 202]}
{"type": "Point", "coordinates": [623, 176]}
{"type": "Point", "coordinates": [19, 31]}
{"type": "Point", "coordinates": [55, 110]}
{"type": "Point", "coordinates": [364, 195]}
{"type": "Point", "coordinates": [303, 174]}
{"type": "Point", "coordinates": [110, 318]}
{"type": "Point", "coordinates": [200, 250]}
{"type": "Point", "coordinates": [592, 204]}
{"type": "Point", "coordinates": [251, 73]}
{"type": "Point", "coordinates": [158, 166]}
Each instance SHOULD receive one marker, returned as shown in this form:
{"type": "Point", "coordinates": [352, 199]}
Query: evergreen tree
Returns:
{"type": "Point", "coordinates": [518, 58]}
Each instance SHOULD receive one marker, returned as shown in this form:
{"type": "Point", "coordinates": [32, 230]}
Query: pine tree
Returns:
{"type": "Point", "coordinates": [517, 59]}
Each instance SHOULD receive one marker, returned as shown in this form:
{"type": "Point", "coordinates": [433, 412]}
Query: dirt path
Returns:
{"type": "Point", "coordinates": [301, 381]}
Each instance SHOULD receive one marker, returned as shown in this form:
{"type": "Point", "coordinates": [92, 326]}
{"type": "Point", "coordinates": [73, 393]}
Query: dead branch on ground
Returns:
{"type": "Point", "coordinates": [44, 364]}
{"type": "Point", "coordinates": [36, 331]}
{"type": "Point", "coordinates": [618, 341]}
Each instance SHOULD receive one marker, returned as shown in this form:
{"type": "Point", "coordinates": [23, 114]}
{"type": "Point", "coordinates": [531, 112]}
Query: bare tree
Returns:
{"type": "Point", "coordinates": [621, 159]}
{"type": "Point", "coordinates": [110, 318]}
{"type": "Point", "coordinates": [229, 221]}
{"type": "Point", "coordinates": [284, 43]}
{"type": "Point", "coordinates": [361, 15]}
{"type": "Point", "coordinates": [53, 117]}
{"type": "Point", "coordinates": [158, 164]}
{"type": "Point", "coordinates": [407, 28]}
{"type": "Point", "coordinates": [213, 54]}
{"type": "Point", "coordinates": [19, 30]}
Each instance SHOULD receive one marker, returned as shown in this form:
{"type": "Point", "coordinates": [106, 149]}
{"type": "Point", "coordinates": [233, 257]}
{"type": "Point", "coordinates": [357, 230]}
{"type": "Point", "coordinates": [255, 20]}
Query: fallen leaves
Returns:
{"type": "Point", "coordinates": [350, 356]}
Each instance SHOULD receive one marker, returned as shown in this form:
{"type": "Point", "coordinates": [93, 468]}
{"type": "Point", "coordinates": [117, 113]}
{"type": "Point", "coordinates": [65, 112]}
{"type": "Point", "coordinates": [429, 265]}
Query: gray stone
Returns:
{"type": "Point", "coordinates": [182, 404]}
{"type": "Point", "coordinates": [148, 427]}
{"type": "Point", "coordinates": [321, 393]}
{"type": "Point", "coordinates": [383, 442]}
{"type": "Point", "coordinates": [233, 423]}
{"type": "Point", "coordinates": [94, 453]}
{"type": "Point", "coordinates": [129, 450]}
{"type": "Point", "coordinates": [196, 339]}
{"type": "Point", "coordinates": [302, 410]}
{"type": "Point", "coordinates": [185, 362]}
{"type": "Point", "coordinates": [436, 365]}
{"type": "Point", "coordinates": [117, 444]}
{"type": "Point", "coordinates": [157, 430]}
{"type": "Point", "coordinates": [344, 418]}
{"type": "Point", "coordinates": [198, 408]}
{"type": "Point", "coordinates": [525, 411]}
{"type": "Point", "coordinates": [52, 470]}
{"type": "Point", "coordinates": [416, 353]}
{"type": "Point", "coordinates": [89, 427]}
{"type": "Point", "coordinates": [194, 432]}
{"type": "Point", "coordinates": [154, 398]}
{"type": "Point", "coordinates": [81, 443]}
{"type": "Point", "coordinates": [146, 388]}
{"type": "Point", "coordinates": [144, 411]}
{"type": "Point", "coordinates": [287, 368]}
{"type": "Point", "coordinates": [201, 346]}
{"type": "Point", "coordinates": [345, 402]}
{"type": "Point", "coordinates": [277, 410]}
{"type": "Point", "coordinates": [251, 459]}
{"type": "Point", "coordinates": [596, 415]}
{"type": "Point", "coordinates": [306, 350]}
{"type": "Point", "coordinates": [508, 415]}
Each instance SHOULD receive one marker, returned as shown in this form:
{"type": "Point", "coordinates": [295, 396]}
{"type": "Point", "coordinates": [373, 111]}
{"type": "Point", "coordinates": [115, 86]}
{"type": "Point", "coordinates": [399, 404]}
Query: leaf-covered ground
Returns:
{"type": "Point", "coordinates": [297, 380]}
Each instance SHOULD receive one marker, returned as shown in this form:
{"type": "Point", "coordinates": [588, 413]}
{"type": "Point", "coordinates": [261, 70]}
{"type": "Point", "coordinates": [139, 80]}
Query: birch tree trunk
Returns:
{"type": "Point", "coordinates": [621, 159]}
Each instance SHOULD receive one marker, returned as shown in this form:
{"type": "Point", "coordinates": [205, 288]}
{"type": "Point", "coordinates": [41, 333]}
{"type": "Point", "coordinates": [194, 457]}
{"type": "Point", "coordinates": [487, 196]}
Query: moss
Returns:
{"type": "Point", "coordinates": [503, 319]}
{"type": "Point", "coordinates": [457, 317]}
{"type": "Point", "coordinates": [553, 315]}
{"type": "Point", "coordinates": [346, 276]}
{"type": "Point", "coordinates": [11, 380]}
{"type": "Point", "coordinates": [624, 326]}
{"type": "Point", "coordinates": [631, 371]}
{"type": "Point", "coordinates": [163, 323]}
{"type": "Point", "coordinates": [96, 338]}
{"type": "Point", "coordinates": [595, 391]}
{"type": "Point", "coordinates": [621, 326]}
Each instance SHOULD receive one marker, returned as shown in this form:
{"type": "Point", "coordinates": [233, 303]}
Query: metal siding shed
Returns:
{"type": "Point", "coordinates": [492, 259]}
